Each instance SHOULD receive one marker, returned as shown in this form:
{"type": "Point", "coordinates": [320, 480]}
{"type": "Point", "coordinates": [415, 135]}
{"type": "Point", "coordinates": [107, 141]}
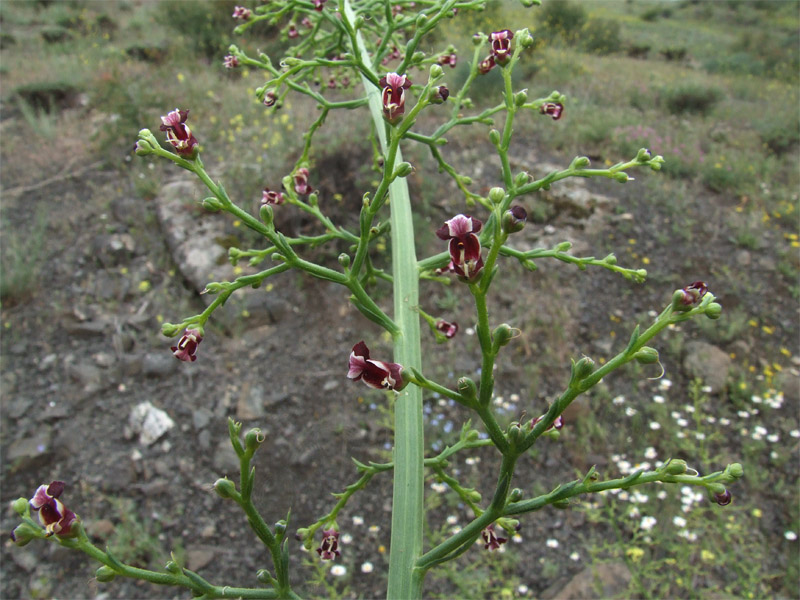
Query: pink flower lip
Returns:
{"type": "Point", "coordinates": [374, 373]}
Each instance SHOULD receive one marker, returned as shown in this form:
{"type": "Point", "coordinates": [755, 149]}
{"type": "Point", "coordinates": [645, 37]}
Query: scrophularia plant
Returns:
{"type": "Point", "coordinates": [361, 38]}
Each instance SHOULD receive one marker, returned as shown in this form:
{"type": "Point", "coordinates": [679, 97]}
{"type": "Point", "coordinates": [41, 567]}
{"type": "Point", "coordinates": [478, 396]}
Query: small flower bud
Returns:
{"type": "Point", "coordinates": [173, 567]}
{"type": "Point", "coordinates": [264, 576]}
{"type": "Point", "coordinates": [359, 22]}
{"type": "Point", "coordinates": [713, 310]}
{"type": "Point", "coordinates": [439, 95]}
{"type": "Point", "coordinates": [734, 470]}
{"type": "Point", "coordinates": [478, 39]}
{"type": "Point", "coordinates": [515, 495]}
{"type": "Point", "coordinates": [723, 498]}
{"type": "Point", "coordinates": [421, 20]}
{"type": "Point", "coordinates": [494, 137]}
{"type": "Point", "coordinates": [582, 368]}
{"type": "Point", "coordinates": [417, 57]}
{"type": "Point", "coordinates": [301, 534]}
{"type": "Point", "coordinates": [521, 179]}
{"type": "Point", "coordinates": [656, 162]}
{"type": "Point", "coordinates": [611, 259]}
{"type": "Point", "coordinates": [105, 574]}
{"type": "Point", "coordinates": [676, 467]}
{"type": "Point", "coordinates": [580, 162]}
{"type": "Point", "coordinates": [496, 195]}
{"type": "Point", "coordinates": [20, 506]}
{"type": "Point", "coordinates": [23, 533]}
{"type": "Point", "coordinates": [280, 528]}
{"type": "Point", "coordinates": [467, 388]}
{"type": "Point", "coordinates": [563, 246]}
{"type": "Point", "coordinates": [344, 260]}
{"type": "Point", "coordinates": [212, 204]}
{"type": "Point", "coordinates": [170, 329]}
{"type": "Point", "coordinates": [225, 488]}
{"type": "Point", "coordinates": [435, 72]}
{"type": "Point", "coordinates": [646, 355]}
{"type": "Point", "coordinates": [253, 439]}
{"type": "Point", "coordinates": [502, 335]}
{"type": "Point", "coordinates": [514, 219]}
{"type": "Point", "coordinates": [266, 214]}
{"type": "Point", "coordinates": [621, 177]}
{"type": "Point", "coordinates": [520, 98]}
{"type": "Point", "coordinates": [404, 169]}
{"type": "Point", "coordinates": [526, 39]}
{"type": "Point", "coordinates": [643, 155]}
{"type": "Point", "coordinates": [474, 495]}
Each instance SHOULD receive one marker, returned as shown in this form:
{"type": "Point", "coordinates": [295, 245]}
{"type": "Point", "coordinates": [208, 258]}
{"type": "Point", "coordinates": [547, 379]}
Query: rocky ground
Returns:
{"type": "Point", "coordinates": [83, 363]}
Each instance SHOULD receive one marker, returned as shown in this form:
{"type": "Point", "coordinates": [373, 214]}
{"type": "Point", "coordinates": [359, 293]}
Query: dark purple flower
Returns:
{"type": "Point", "coordinates": [301, 182]}
{"type": "Point", "coordinates": [187, 345]}
{"type": "Point", "coordinates": [448, 329]}
{"type": "Point", "coordinates": [554, 109]}
{"type": "Point", "coordinates": [272, 197]}
{"type": "Point", "coordinates": [394, 96]}
{"type": "Point", "coordinates": [486, 65]}
{"type": "Point", "coordinates": [375, 373]}
{"type": "Point", "coordinates": [693, 293]}
{"type": "Point", "coordinates": [292, 32]}
{"type": "Point", "coordinates": [514, 219]}
{"type": "Point", "coordinates": [448, 59]}
{"type": "Point", "coordinates": [270, 98]}
{"type": "Point", "coordinates": [329, 548]}
{"type": "Point", "coordinates": [178, 133]}
{"type": "Point", "coordinates": [56, 518]}
{"type": "Point", "coordinates": [230, 62]}
{"type": "Point", "coordinates": [491, 539]}
{"type": "Point", "coordinates": [465, 247]}
{"type": "Point", "coordinates": [306, 22]}
{"type": "Point", "coordinates": [501, 45]}
{"type": "Point", "coordinates": [319, 5]}
{"type": "Point", "coordinates": [439, 94]}
{"type": "Point", "coordinates": [723, 498]}
{"type": "Point", "coordinates": [240, 12]}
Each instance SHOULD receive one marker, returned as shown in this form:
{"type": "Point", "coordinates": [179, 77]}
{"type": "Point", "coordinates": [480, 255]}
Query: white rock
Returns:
{"type": "Point", "coordinates": [149, 422]}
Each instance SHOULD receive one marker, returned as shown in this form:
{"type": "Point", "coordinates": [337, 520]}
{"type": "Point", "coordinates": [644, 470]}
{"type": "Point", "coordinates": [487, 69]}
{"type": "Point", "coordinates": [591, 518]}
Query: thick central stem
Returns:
{"type": "Point", "coordinates": [407, 511]}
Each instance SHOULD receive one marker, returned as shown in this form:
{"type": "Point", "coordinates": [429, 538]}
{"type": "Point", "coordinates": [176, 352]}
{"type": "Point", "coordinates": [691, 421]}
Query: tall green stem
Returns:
{"type": "Point", "coordinates": [407, 513]}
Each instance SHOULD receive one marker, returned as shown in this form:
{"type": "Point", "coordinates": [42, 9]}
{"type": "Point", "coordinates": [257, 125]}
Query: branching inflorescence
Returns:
{"type": "Point", "coordinates": [352, 44]}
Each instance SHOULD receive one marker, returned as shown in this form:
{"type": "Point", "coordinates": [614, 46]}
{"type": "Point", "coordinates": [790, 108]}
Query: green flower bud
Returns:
{"type": "Point", "coordinates": [622, 177]}
{"type": "Point", "coordinates": [20, 506]}
{"type": "Point", "coordinates": [496, 195]}
{"type": "Point", "coordinates": [253, 439]}
{"type": "Point", "coordinates": [280, 528]}
{"type": "Point", "coordinates": [404, 169]}
{"type": "Point", "coordinates": [213, 287]}
{"type": "Point", "coordinates": [467, 388]}
{"type": "Point", "coordinates": [582, 368]}
{"type": "Point", "coordinates": [465, 180]}
{"type": "Point", "coordinates": [643, 155]}
{"type": "Point", "coordinates": [646, 355]}
{"type": "Point", "coordinates": [676, 467]}
{"type": "Point", "coordinates": [716, 488]}
{"type": "Point", "coordinates": [473, 435]}
{"type": "Point", "coordinates": [170, 329]}
{"type": "Point", "coordinates": [521, 179]}
{"type": "Point", "coordinates": [656, 163]}
{"type": "Point", "coordinates": [502, 335]}
{"type": "Point", "coordinates": [520, 98]}
{"type": "Point", "coordinates": [359, 22]}
{"type": "Point", "coordinates": [561, 504]}
{"type": "Point", "coordinates": [421, 20]}
{"type": "Point", "coordinates": [514, 219]}
{"type": "Point", "coordinates": [264, 576]}
{"type": "Point", "coordinates": [211, 204]}
{"type": "Point", "coordinates": [302, 533]}
{"type": "Point", "coordinates": [313, 199]}
{"type": "Point", "coordinates": [553, 434]}
{"type": "Point", "coordinates": [526, 40]}
{"type": "Point", "coordinates": [266, 214]}
{"type": "Point", "coordinates": [173, 567]}
{"type": "Point", "coordinates": [611, 259]}
{"type": "Point", "coordinates": [417, 57]}
{"type": "Point", "coordinates": [105, 574]}
{"type": "Point", "coordinates": [478, 39]}
{"type": "Point", "coordinates": [344, 260]}
{"type": "Point", "coordinates": [515, 495]}
{"type": "Point", "coordinates": [713, 310]}
{"type": "Point", "coordinates": [529, 3]}
{"type": "Point", "coordinates": [290, 61]}
{"type": "Point", "coordinates": [24, 533]}
{"type": "Point", "coordinates": [474, 495]}
{"type": "Point", "coordinates": [514, 433]}
{"type": "Point", "coordinates": [563, 246]}
{"type": "Point", "coordinates": [435, 72]}
{"type": "Point", "coordinates": [146, 144]}
{"type": "Point", "coordinates": [225, 488]}
{"type": "Point", "coordinates": [494, 137]}
{"type": "Point", "coordinates": [580, 162]}
{"type": "Point", "coordinates": [734, 470]}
